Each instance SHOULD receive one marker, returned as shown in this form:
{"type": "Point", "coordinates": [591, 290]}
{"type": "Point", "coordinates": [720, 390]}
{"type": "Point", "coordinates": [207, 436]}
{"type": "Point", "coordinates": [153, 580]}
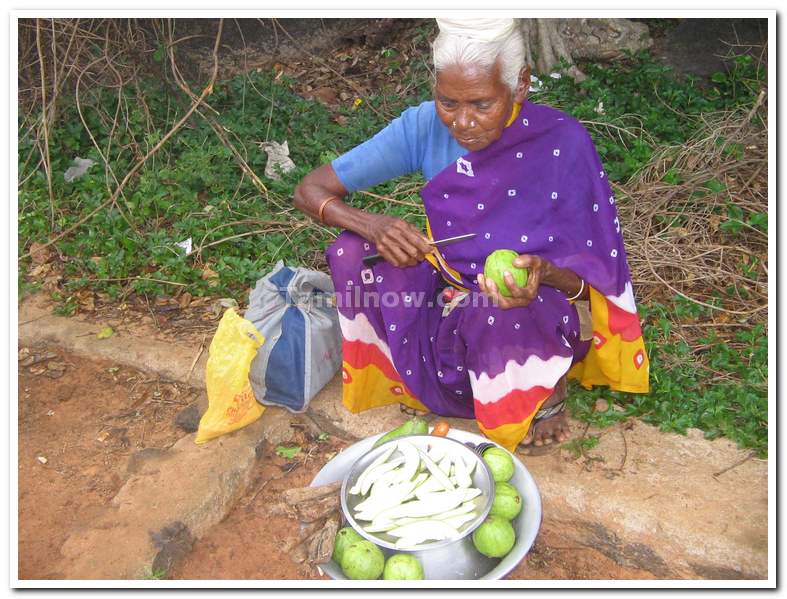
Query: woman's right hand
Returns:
{"type": "Point", "coordinates": [399, 242]}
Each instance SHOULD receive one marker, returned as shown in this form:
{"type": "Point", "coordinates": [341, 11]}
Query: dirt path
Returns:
{"type": "Point", "coordinates": [79, 421]}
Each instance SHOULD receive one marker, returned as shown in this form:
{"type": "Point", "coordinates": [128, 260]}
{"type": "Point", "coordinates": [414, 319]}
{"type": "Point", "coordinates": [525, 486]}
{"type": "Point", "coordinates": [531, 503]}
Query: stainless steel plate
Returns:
{"type": "Point", "coordinates": [526, 524]}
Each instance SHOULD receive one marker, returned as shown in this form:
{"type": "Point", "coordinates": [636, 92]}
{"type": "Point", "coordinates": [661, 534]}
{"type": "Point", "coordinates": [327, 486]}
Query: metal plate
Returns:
{"type": "Point", "coordinates": [526, 524]}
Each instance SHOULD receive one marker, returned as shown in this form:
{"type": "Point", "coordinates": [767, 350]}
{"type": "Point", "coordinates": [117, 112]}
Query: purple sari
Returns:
{"type": "Point", "coordinates": [540, 189]}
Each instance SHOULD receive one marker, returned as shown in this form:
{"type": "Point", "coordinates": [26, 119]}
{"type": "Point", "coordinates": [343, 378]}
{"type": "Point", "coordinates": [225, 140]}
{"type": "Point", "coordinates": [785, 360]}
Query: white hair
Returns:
{"type": "Point", "coordinates": [457, 44]}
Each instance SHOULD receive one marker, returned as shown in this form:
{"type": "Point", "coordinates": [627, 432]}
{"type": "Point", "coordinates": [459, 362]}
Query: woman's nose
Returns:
{"type": "Point", "coordinates": [463, 119]}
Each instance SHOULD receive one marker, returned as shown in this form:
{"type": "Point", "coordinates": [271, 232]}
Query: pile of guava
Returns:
{"type": "Point", "coordinates": [495, 537]}
{"type": "Point", "coordinates": [360, 559]}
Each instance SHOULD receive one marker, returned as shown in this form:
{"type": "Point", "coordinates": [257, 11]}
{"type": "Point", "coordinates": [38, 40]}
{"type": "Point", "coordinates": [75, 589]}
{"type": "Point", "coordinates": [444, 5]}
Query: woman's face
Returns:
{"type": "Point", "coordinates": [474, 103]}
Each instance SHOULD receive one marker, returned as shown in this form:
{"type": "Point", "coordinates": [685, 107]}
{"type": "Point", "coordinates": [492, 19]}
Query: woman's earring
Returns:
{"type": "Point", "coordinates": [472, 123]}
{"type": "Point", "coordinates": [453, 124]}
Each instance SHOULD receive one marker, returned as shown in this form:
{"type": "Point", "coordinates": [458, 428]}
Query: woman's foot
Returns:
{"type": "Point", "coordinates": [552, 428]}
{"type": "Point", "coordinates": [408, 410]}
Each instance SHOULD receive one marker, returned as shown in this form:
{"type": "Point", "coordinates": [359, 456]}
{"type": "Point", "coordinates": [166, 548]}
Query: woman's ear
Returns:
{"type": "Point", "coordinates": [523, 85]}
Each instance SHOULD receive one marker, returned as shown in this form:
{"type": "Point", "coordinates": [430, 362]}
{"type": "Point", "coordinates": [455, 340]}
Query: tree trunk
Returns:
{"type": "Point", "coordinates": [550, 41]}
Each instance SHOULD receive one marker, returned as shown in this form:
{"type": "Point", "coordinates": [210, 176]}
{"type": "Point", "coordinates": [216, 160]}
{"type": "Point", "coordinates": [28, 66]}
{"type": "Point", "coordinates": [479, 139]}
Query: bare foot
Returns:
{"type": "Point", "coordinates": [555, 428]}
{"type": "Point", "coordinates": [552, 428]}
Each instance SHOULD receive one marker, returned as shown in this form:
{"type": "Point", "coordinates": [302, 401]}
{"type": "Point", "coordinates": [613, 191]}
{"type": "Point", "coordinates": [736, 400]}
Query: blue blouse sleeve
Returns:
{"type": "Point", "coordinates": [396, 150]}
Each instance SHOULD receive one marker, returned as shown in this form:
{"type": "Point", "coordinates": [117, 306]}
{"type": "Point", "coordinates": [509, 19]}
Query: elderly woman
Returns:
{"type": "Point", "coordinates": [520, 176]}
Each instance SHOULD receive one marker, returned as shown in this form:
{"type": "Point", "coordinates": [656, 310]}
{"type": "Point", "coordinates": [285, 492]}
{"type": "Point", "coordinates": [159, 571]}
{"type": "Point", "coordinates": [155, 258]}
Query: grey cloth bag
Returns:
{"type": "Point", "coordinates": [294, 310]}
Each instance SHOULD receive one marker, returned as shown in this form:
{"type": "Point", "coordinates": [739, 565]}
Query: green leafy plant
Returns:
{"type": "Point", "coordinates": [580, 446]}
{"type": "Point", "coordinates": [686, 390]}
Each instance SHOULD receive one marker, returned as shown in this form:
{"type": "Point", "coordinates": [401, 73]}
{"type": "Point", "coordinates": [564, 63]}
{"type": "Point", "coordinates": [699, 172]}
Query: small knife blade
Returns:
{"type": "Point", "coordinates": [369, 260]}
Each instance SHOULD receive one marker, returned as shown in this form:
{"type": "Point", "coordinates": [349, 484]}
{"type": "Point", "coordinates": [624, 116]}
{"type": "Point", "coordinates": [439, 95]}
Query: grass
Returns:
{"type": "Point", "coordinates": [719, 388]}
{"type": "Point", "coordinates": [192, 189]}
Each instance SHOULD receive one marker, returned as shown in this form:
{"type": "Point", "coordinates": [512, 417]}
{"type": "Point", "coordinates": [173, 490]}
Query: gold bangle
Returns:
{"type": "Point", "coordinates": [325, 202]}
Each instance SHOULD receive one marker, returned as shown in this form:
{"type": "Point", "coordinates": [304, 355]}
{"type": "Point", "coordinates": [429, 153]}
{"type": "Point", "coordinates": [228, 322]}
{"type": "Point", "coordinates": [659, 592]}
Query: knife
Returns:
{"type": "Point", "coordinates": [369, 260]}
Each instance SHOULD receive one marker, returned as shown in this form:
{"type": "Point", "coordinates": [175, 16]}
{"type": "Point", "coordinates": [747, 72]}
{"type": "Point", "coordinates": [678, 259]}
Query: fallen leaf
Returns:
{"type": "Point", "coordinates": [40, 270]}
{"type": "Point", "coordinates": [103, 437]}
{"type": "Point", "coordinates": [40, 254]}
{"type": "Point", "coordinates": [50, 413]}
{"type": "Point", "coordinates": [326, 95]}
{"type": "Point", "coordinates": [23, 353]}
{"type": "Point", "coordinates": [211, 276]}
{"type": "Point", "coordinates": [52, 284]}
{"type": "Point", "coordinates": [88, 303]}
{"type": "Point", "coordinates": [184, 300]}
{"type": "Point", "coordinates": [225, 303]}
{"type": "Point", "coordinates": [105, 333]}
{"type": "Point", "coordinates": [42, 459]}
{"type": "Point", "coordinates": [38, 358]}
{"type": "Point", "coordinates": [162, 300]}
{"type": "Point", "coordinates": [287, 452]}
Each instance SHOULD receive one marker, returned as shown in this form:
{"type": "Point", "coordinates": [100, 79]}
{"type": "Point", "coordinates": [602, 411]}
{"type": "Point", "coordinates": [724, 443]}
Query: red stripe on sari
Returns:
{"type": "Point", "coordinates": [360, 355]}
{"type": "Point", "coordinates": [512, 408]}
{"type": "Point", "coordinates": [624, 323]}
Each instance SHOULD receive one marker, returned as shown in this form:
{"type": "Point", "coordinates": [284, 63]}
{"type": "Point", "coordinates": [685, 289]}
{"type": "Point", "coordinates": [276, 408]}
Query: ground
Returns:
{"type": "Point", "coordinates": [79, 422]}
{"type": "Point", "coordinates": [87, 418]}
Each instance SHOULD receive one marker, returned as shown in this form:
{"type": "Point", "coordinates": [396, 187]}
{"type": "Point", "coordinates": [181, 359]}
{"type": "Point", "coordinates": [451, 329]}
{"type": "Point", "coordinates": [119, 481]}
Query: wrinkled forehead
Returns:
{"type": "Point", "coordinates": [471, 76]}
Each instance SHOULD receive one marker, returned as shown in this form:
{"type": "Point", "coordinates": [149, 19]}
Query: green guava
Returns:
{"type": "Point", "coordinates": [500, 261]}
{"type": "Point", "coordinates": [500, 463]}
{"type": "Point", "coordinates": [344, 538]}
{"type": "Point", "coordinates": [495, 537]}
{"type": "Point", "coordinates": [362, 560]}
{"type": "Point", "coordinates": [403, 566]}
{"type": "Point", "coordinates": [414, 426]}
{"type": "Point", "coordinates": [507, 502]}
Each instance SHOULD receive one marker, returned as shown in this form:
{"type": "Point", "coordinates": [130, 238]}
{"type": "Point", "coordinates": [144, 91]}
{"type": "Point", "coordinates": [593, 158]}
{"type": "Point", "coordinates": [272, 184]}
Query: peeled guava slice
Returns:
{"type": "Point", "coordinates": [496, 265]}
{"type": "Point", "coordinates": [495, 537]}
{"type": "Point", "coordinates": [363, 560]}
{"type": "Point", "coordinates": [403, 566]}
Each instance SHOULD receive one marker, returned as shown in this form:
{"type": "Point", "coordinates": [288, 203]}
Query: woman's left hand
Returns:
{"type": "Point", "coordinates": [520, 296]}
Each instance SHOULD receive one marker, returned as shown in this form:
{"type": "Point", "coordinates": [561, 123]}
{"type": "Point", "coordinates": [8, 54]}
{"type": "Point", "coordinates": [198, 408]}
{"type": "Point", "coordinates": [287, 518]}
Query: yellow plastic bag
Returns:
{"type": "Point", "coordinates": [231, 402]}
